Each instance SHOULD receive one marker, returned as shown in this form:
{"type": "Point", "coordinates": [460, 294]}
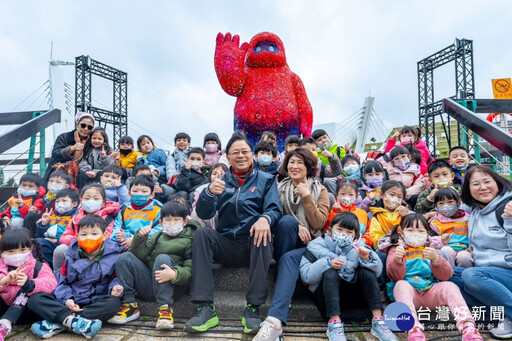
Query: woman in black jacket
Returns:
{"type": "Point", "coordinates": [68, 148]}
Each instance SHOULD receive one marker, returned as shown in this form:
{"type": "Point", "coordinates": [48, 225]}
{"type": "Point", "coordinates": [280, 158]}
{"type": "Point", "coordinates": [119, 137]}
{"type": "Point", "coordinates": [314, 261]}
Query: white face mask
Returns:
{"type": "Point", "coordinates": [63, 207]}
{"type": "Point", "coordinates": [415, 239]}
{"type": "Point", "coordinates": [172, 230]}
{"type": "Point", "coordinates": [15, 260]}
{"type": "Point", "coordinates": [91, 206]}
{"type": "Point", "coordinates": [55, 188]}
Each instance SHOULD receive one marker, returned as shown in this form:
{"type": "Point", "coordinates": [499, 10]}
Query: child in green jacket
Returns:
{"type": "Point", "coordinates": [157, 267]}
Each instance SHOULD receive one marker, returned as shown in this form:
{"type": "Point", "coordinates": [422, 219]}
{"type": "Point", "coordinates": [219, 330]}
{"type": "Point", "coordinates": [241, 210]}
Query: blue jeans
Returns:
{"type": "Point", "coordinates": [288, 257]}
{"type": "Point", "coordinates": [286, 236]}
{"type": "Point", "coordinates": [485, 286]}
{"type": "Point", "coordinates": [383, 278]}
{"type": "Point", "coordinates": [288, 273]}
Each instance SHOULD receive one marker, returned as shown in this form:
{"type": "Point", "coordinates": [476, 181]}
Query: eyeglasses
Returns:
{"type": "Point", "coordinates": [84, 126]}
{"type": "Point", "coordinates": [238, 152]}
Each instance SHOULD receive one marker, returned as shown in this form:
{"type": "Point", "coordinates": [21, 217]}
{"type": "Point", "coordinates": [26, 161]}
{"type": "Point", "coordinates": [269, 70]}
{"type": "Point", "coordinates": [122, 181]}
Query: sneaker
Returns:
{"type": "Point", "coordinates": [3, 333]}
{"type": "Point", "coordinates": [45, 329]}
{"type": "Point", "coordinates": [382, 332]}
{"type": "Point", "coordinates": [269, 332]}
{"type": "Point", "coordinates": [416, 334]}
{"type": "Point", "coordinates": [335, 332]}
{"type": "Point", "coordinates": [205, 318]}
{"type": "Point", "coordinates": [503, 330]}
{"type": "Point", "coordinates": [165, 319]}
{"type": "Point", "coordinates": [470, 333]}
{"type": "Point", "coordinates": [85, 327]}
{"type": "Point", "coordinates": [251, 319]}
{"type": "Point", "coordinates": [128, 312]}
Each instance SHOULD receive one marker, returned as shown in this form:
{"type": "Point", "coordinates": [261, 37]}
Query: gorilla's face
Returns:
{"type": "Point", "coordinates": [266, 46]}
{"type": "Point", "coordinates": [265, 50]}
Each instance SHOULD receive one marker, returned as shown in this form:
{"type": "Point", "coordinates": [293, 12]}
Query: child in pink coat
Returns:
{"type": "Point", "coordinates": [400, 168]}
{"type": "Point", "coordinates": [411, 135]}
{"type": "Point", "coordinates": [420, 277]}
{"type": "Point", "coordinates": [21, 276]}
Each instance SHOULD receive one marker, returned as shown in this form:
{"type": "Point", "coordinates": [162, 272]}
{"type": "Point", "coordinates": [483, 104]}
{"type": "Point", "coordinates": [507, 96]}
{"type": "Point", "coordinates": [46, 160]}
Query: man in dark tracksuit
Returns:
{"type": "Point", "coordinates": [247, 202]}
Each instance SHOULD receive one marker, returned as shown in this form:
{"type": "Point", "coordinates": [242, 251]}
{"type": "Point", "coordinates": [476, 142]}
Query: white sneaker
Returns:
{"type": "Point", "coordinates": [269, 332]}
{"type": "Point", "coordinates": [503, 330]}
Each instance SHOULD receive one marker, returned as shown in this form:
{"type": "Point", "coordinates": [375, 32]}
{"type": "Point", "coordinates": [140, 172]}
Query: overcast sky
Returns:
{"type": "Point", "coordinates": [342, 50]}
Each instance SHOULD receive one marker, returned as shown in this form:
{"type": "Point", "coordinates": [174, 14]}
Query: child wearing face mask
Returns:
{"type": "Point", "coordinates": [451, 225]}
{"type": "Point", "coordinates": [53, 222]}
{"type": "Point", "coordinates": [217, 172]}
{"type": "Point", "coordinates": [441, 176]}
{"type": "Point", "coordinates": [141, 210]}
{"type": "Point", "coordinates": [193, 175]}
{"type": "Point", "coordinates": [411, 135]}
{"type": "Point", "coordinates": [58, 181]}
{"type": "Point", "coordinates": [265, 153]}
{"type": "Point", "coordinates": [22, 275]}
{"type": "Point", "coordinates": [88, 291]}
{"type": "Point", "coordinates": [158, 267]}
{"type": "Point", "coordinates": [114, 188]}
{"type": "Point", "coordinates": [347, 192]}
{"type": "Point", "coordinates": [388, 211]}
{"type": "Point", "coordinates": [373, 176]}
{"type": "Point", "coordinates": [127, 156]}
{"type": "Point", "coordinates": [402, 169]}
{"type": "Point", "coordinates": [420, 277]}
{"type": "Point", "coordinates": [212, 147]}
{"type": "Point", "coordinates": [93, 202]}
{"type": "Point", "coordinates": [26, 205]}
{"type": "Point", "coordinates": [290, 143]}
{"type": "Point", "coordinates": [351, 168]}
{"type": "Point", "coordinates": [337, 268]}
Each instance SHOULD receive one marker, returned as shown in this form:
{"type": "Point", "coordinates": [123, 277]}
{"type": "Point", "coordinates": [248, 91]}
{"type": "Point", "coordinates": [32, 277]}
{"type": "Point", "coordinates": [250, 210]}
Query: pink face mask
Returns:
{"type": "Point", "coordinates": [16, 259]}
{"type": "Point", "coordinates": [405, 140]}
{"type": "Point", "coordinates": [211, 148]}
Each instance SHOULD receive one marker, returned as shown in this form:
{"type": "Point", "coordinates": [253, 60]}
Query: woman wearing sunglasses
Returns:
{"type": "Point", "coordinates": [68, 149]}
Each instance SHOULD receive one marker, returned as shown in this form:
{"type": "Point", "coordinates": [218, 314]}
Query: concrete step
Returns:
{"type": "Point", "coordinates": [230, 305]}
{"type": "Point", "coordinates": [237, 279]}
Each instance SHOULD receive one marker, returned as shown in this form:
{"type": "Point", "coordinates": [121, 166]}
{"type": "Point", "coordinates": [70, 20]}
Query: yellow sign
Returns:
{"type": "Point", "coordinates": [502, 88]}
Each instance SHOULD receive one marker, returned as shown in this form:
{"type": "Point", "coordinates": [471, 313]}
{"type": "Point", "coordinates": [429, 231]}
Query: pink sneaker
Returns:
{"type": "Point", "coordinates": [3, 333]}
{"type": "Point", "coordinates": [416, 335]}
{"type": "Point", "coordinates": [470, 333]}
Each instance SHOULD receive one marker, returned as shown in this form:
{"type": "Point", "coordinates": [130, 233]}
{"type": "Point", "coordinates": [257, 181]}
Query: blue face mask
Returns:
{"type": "Point", "coordinates": [351, 169]}
{"type": "Point", "coordinates": [26, 192]}
{"type": "Point", "coordinates": [461, 169]}
{"type": "Point", "coordinates": [265, 160]}
{"type": "Point", "coordinates": [342, 239]}
{"type": "Point", "coordinates": [139, 199]}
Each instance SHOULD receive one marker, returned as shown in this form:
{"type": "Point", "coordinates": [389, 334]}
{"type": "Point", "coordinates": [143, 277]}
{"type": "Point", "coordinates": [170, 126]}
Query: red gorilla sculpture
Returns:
{"type": "Point", "coordinates": [269, 95]}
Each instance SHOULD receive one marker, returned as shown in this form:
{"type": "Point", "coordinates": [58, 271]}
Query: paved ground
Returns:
{"type": "Point", "coordinates": [143, 329]}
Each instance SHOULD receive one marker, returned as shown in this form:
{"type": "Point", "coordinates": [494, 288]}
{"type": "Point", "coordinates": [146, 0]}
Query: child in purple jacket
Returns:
{"type": "Point", "coordinates": [88, 292]}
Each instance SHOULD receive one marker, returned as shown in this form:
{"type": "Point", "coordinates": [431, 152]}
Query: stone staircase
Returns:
{"type": "Point", "coordinates": [229, 297]}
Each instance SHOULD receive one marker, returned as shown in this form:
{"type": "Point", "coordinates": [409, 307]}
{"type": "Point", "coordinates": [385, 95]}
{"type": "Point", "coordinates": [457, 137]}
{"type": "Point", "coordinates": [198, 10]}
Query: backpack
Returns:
{"type": "Point", "coordinates": [374, 155]}
{"type": "Point", "coordinates": [37, 268]}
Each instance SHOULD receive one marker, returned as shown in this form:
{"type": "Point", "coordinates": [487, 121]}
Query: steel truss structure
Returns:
{"type": "Point", "coordinates": [430, 110]}
{"type": "Point", "coordinates": [85, 67]}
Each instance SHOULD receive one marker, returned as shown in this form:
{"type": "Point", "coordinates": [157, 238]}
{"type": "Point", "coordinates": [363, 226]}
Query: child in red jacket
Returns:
{"type": "Point", "coordinates": [26, 205]}
{"type": "Point", "coordinates": [21, 276]}
{"type": "Point", "coordinates": [93, 202]}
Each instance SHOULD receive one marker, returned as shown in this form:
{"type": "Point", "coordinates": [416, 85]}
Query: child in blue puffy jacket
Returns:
{"type": "Point", "coordinates": [338, 266]}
